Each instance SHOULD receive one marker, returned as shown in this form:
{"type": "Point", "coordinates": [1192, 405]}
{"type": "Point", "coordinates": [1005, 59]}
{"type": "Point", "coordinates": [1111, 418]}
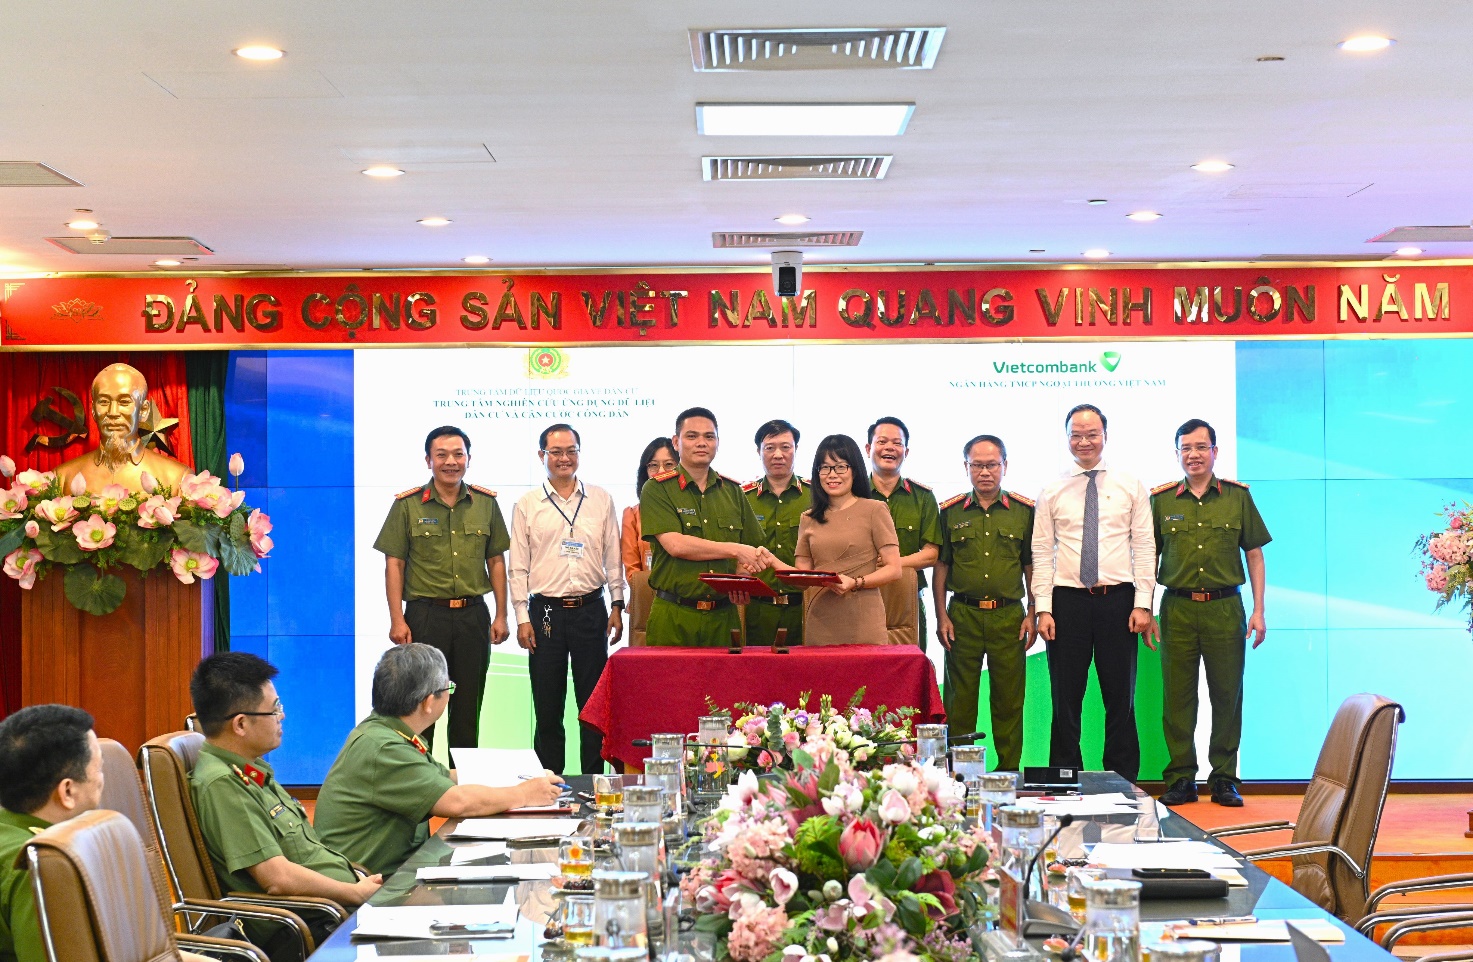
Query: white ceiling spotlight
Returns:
{"type": "Point", "coordinates": [791, 220]}
{"type": "Point", "coordinates": [1143, 216]}
{"type": "Point", "coordinates": [433, 221]}
{"type": "Point", "coordinates": [259, 52]}
{"type": "Point", "coordinates": [1366, 43]}
{"type": "Point", "coordinates": [477, 259]}
{"type": "Point", "coordinates": [1096, 253]}
{"type": "Point", "coordinates": [803, 120]}
{"type": "Point", "coordinates": [383, 171]}
{"type": "Point", "coordinates": [1408, 251]}
{"type": "Point", "coordinates": [1212, 167]}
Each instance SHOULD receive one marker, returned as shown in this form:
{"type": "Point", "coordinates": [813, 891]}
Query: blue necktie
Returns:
{"type": "Point", "coordinates": [1089, 547]}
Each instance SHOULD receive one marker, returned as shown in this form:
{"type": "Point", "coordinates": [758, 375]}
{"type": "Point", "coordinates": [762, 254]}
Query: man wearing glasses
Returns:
{"type": "Point", "coordinates": [564, 553]}
{"type": "Point", "coordinates": [258, 836]}
{"type": "Point", "coordinates": [1094, 574]}
{"type": "Point", "coordinates": [376, 802]}
{"type": "Point", "coordinates": [986, 562]}
{"type": "Point", "coordinates": [443, 545]}
{"type": "Point", "coordinates": [912, 506]}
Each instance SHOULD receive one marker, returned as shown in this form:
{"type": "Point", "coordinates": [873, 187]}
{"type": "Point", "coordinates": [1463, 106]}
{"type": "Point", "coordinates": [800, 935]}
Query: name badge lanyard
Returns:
{"type": "Point", "coordinates": [582, 496]}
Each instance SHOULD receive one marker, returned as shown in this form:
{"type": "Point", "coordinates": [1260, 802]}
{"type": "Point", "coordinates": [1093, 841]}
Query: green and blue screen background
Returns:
{"type": "Point", "coordinates": [1350, 447]}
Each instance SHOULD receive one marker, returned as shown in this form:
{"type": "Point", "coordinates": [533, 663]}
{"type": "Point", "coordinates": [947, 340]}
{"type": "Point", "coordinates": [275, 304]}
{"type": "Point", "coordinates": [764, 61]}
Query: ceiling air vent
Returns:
{"type": "Point", "coordinates": [833, 238]}
{"type": "Point", "coordinates": [1456, 234]}
{"type": "Point", "coordinates": [28, 173]}
{"type": "Point", "coordinates": [865, 167]}
{"type": "Point", "coordinates": [865, 48]}
{"type": "Point", "coordinates": [145, 246]}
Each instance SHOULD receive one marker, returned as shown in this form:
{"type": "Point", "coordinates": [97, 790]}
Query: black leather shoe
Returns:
{"type": "Point", "coordinates": [1182, 791]}
{"type": "Point", "coordinates": [1224, 792]}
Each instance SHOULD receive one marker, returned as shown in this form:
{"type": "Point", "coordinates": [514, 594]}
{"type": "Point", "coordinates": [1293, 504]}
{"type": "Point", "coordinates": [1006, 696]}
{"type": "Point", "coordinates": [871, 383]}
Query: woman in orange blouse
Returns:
{"type": "Point", "coordinates": [658, 457]}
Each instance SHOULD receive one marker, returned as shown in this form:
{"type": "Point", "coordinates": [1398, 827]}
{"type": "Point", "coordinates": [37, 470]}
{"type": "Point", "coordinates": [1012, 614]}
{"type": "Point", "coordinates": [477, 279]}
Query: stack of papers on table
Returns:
{"type": "Point", "coordinates": [496, 767]}
{"type": "Point", "coordinates": [518, 872]}
{"type": "Point", "coordinates": [1084, 806]}
{"type": "Point", "coordinates": [1165, 854]}
{"type": "Point", "coordinates": [414, 921]}
{"type": "Point", "coordinates": [474, 853]}
{"type": "Point", "coordinates": [511, 828]}
{"type": "Point", "coordinates": [1269, 930]}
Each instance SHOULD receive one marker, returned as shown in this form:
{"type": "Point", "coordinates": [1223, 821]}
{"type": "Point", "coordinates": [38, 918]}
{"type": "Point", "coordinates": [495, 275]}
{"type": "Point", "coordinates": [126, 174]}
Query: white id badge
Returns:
{"type": "Point", "coordinates": [571, 549]}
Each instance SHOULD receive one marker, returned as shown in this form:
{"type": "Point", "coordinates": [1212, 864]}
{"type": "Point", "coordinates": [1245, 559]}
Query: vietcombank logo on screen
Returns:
{"type": "Point", "coordinates": [1109, 360]}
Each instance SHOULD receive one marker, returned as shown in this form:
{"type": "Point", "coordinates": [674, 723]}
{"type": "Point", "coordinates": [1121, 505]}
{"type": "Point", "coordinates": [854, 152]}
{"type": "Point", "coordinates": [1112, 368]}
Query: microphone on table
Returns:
{"type": "Point", "coordinates": [1041, 917]}
{"type": "Point", "coordinates": [643, 743]}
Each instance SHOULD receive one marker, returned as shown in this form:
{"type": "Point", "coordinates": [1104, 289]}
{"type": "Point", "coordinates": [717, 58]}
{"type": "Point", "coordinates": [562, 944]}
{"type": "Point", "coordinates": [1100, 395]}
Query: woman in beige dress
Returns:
{"type": "Point", "coordinates": [847, 533]}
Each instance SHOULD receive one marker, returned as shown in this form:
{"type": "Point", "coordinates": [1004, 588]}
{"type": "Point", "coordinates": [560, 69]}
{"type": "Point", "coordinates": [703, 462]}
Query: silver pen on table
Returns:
{"type": "Point", "coordinates": [1225, 920]}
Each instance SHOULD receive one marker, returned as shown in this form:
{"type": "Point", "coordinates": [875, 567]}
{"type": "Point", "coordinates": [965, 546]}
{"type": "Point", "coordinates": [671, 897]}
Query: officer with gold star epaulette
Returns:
{"type": "Point", "coordinates": [697, 521]}
{"type": "Point", "coordinates": [912, 506]}
{"type": "Point", "coordinates": [444, 547]}
{"type": "Point", "coordinates": [1205, 527]}
{"type": "Point", "coordinates": [779, 499]}
{"type": "Point", "coordinates": [986, 563]}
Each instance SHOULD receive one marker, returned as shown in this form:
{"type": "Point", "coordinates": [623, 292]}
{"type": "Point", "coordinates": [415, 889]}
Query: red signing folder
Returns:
{"type": "Point", "coordinates": [807, 579]}
{"type": "Point", "coordinates": [727, 584]}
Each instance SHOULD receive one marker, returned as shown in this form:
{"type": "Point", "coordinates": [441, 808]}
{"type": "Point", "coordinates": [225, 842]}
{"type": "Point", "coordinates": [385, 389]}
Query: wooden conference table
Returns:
{"type": "Point", "coordinates": [647, 690]}
{"type": "Point", "coordinates": [1265, 896]}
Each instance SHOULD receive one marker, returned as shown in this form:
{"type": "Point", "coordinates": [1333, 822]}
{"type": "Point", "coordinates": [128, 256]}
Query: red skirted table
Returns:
{"type": "Point", "coordinates": [648, 690]}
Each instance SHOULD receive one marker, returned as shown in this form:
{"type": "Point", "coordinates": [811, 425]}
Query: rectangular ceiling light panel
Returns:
{"type": "Point", "coordinates": [1455, 234]}
{"type": "Point", "coordinates": [147, 246]}
{"type": "Point", "coordinates": [28, 173]}
{"type": "Point", "coordinates": [840, 48]}
{"type": "Point", "coordinates": [848, 167]}
{"type": "Point", "coordinates": [803, 120]}
{"type": "Point", "coordinates": [831, 238]}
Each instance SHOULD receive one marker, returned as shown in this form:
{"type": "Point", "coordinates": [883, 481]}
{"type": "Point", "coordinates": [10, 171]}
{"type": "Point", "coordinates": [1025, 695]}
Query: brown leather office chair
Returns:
{"type": "Point", "coordinates": [1341, 813]}
{"type": "Point", "coordinates": [166, 762]}
{"type": "Point", "coordinates": [640, 598]}
{"type": "Point", "coordinates": [98, 900]}
{"type": "Point", "coordinates": [902, 609]}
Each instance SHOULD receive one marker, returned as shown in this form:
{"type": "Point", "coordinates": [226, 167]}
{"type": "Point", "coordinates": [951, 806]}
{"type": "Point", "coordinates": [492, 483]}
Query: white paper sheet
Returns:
{"type": "Point", "coordinates": [368, 952]}
{"type": "Point", "coordinates": [473, 853]}
{"type": "Point", "coordinates": [497, 767]}
{"type": "Point", "coordinates": [414, 921]}
{"type": "Point", "coordinates": [1083, 806]}
{"type": "Point", "coordinates": [509, 828]}
{"type": "Point", "coordinates": [524, 871]}
{"type": "Point", "coordinates": [1187, 854]}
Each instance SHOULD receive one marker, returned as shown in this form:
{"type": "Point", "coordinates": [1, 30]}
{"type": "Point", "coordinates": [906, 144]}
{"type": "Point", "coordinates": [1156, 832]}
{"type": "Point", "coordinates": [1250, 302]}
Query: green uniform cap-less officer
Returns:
{"type": "Point", "coordinates": [20, 931]}
{"type": "Point", "coordinates": [917, 523]}
{"type": "Point", "coordinates": [375, 803]}
{"type": "Point", "coordinates": [778, 514]}
{"type": "Point", "coordinates": [672, 503]}
{"type": "Point", "coordinates": [985, 551]}
{"type": "Point", "coordinates": [1200, 543]}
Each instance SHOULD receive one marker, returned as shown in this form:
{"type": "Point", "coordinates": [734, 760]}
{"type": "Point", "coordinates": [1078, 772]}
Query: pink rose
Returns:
{"type": "Point", "coordinates": [21, 563]}
{"type": "Point", "coordinates": [940, 885]}
{"type": "Point", "coordinates": [861, 843]}
{"type": "Point", "coordinates": [237, 465]}
{"type": "Point", "coordinates": [58, 512]}
{"type": "Point", "coordinates": [188, 565]}
{"type": "Point", "coordinates": [7, 466]}
{"type": "Point", "coordinates": [94, 534]}
{"type": "Point", "coordinates": [13, 501]}
{"type": "Point", "coordinates": [32, 528]}
{"type": "Point", "coordinates": [894, 809]}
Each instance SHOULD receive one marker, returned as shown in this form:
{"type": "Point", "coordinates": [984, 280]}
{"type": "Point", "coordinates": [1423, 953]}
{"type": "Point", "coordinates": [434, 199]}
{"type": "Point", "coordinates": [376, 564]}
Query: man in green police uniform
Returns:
{"type": "Point", "coordinates": [50, 771]}
{"type": "Point", "coordinates": [697, 521]}
{"type": "Point", "coordinates": [376, 802]}
{"type": "Point", "coordinates": [912, 505]}
{"type": "Point", "coordinates": [258, 836]}
{"type": "Point", "coordinates": [1203, 522]}
{"type": "Point", "coordinates": [986, 562]}
{"type": "Point", "coordinates": [778, 500]}
{"type": "Point", "coordinates": [444, 548]}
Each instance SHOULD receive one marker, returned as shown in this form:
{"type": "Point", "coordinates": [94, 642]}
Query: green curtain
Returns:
{"type": "Point", "coordinates": [205, 373]}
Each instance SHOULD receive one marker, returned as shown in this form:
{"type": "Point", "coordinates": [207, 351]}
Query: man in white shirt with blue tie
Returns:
{"type": "Point", "coordinates": [1094, 564]}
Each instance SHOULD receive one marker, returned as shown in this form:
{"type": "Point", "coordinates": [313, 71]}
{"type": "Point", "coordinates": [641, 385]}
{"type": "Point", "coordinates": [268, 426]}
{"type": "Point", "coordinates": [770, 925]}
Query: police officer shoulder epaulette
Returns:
{"type": "Point", "coordinates": [1236, 484]}
{"type": "Point", "coordinates": [951, 501]}
{"type": "Point", "coordinates": [751, 486]}
{"type": "Point", "coordinates": [1021, 500]}
{"type": "Point", "coordinates": [404, 494]}
{"type": "Point", "coordinates": [1164, 487]}
{"type": "Point", "coordinates": [480, 490]}
{"type": "Point", "coordinates": [923, 487]}
{"type": "Point", "coordinates": [664, 475]}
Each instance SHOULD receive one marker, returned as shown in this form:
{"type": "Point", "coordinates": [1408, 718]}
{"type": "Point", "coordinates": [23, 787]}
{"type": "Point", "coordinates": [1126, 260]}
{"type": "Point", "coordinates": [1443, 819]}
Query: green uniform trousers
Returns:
{"type": "Point", "coordinates": [763, 621]}
{"type": "Point", "coordinates": [1213, 634]}
{"type": "Point", "coordinates": [993, 634]}
{"type": "Point", "coordinates": [673, 625]}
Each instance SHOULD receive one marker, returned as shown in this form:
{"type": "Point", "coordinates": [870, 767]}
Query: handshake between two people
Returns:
{"type": "Point", "coordinates": [750, 561]}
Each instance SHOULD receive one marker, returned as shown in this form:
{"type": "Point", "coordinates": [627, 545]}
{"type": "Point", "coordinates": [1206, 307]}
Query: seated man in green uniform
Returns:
{"type": "Point", "coordinates": [376, 802]}
{"type": "Point", "coordinates": [258, 836]}
{"type": "Point", "coordinates": [697, 521]}
{"type": "Point", "coordinates": [50, 771]}
{"type": "Point", "coordinates": [779, 499]}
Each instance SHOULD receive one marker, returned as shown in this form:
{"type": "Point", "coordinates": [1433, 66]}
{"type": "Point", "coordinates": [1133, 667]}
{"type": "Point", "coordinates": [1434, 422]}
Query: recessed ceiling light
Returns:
{"type": "Point", "coordinates": [1036, 250]}
{"type": "Point", "coordinates": [792, 220]}
{"type": "Point", "coordinates": [1096, 253]}
{"type": "Point", "coordinates": [1212, 167]}
{"type": "Point", "coordinates": [259, 52]}
{"type": "Point", "coordinates": [802, 120]}
{"type": "Point", "coordinates": [1408, 251]}
{"type": "Point", "coordinates": [1366, 43]}
{"type": "Point", "coordinates": [434, 221]}
{"type": "Point", "coordinates": [1096, 201]}
{"type": "Point", "coordinates": [1143, 215]}
{"type": "Point", "coordinates": [477, 259]}
{"type": "Point", "coordinates": [166, 263]}
{"type": "Point", "coordinates": [384, 171]}
{"type": "Point", "coordinates": [82, 224]}
{"type": "Point", "coordinates": [1270, 59]}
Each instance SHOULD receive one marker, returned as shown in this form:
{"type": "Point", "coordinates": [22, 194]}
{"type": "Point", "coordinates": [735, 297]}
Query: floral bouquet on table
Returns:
{"type": "Point", "coordinates": [832, 864]}
{"type": "Point", "coordinates": [1445, 558]}
{"type": "Point", "coordinates": [766, 736]}
{"type": "Point", "coordinates": [193, 531]}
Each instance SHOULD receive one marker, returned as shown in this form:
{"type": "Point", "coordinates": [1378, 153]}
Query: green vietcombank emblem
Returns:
{"type": "Point", "coordinates": [1111, 360]}
{"type": "Point", "coordinates": [547, 362]}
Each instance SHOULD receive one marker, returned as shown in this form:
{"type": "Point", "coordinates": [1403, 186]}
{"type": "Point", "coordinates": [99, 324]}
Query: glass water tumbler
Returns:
{"type": "Point", "coordinates": [998, 789]}
{"type": "Point", "coordinates": [619, 910]}
{"type": "Point", "coordinates": [1112, 921]}
{"type": "Point", "coordinates": [931, 745]}
{"type": "Point", "coordinates": [1185, 950]}
{"type": "Point", "coordinates": [974, 798]}
{"type": "Point", "coordinates": [968, 760]}
{"type": "Point", "coordinates": [667, 745]}
{"type": "Point", "coordinates": [644, 803]}
{"type": "Point", "coordinates": [713, 729]}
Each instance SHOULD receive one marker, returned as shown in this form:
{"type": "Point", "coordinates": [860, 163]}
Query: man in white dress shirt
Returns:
{"type": "Point", "coordinates": [564, 553]}
{"type": "Point", "coordinates": [1094, 564]}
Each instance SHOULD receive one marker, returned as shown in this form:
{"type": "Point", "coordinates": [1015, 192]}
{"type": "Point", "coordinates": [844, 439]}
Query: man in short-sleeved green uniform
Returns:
{"type": "Point", "coordinates": [1205, 526]}
{"type": "Point", "coordinates": [778, 499]}
{"type": "Point", "coordinates": [986, 560]}
{"type": "Point", "coordinates": [20, 931]}
{"type": "Point", "coordinates": [696, 521]}
{"type": "Point", "coordinates": [912, 505]}
{"type": "Point", "coordinates": [444, 545]}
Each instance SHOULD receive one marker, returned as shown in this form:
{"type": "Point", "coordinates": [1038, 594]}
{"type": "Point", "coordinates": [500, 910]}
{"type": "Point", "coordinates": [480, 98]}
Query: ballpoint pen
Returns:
{"type": "Point", "coordinates": [1224, 920]}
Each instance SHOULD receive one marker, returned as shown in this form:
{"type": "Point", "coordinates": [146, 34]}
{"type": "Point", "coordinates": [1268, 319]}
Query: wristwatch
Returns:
{"type": "Point", "coordinates": [617, 604]}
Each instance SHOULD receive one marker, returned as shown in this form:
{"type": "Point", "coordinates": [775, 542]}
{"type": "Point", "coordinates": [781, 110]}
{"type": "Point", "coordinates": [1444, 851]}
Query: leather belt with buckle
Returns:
{"type": "Point", "coordinates": [1097, 589]}
{"type": "Point", "coordinates": [713, 604]}
{"type": "Point", "coordinates": [983, 604]}
{"type": "Point", "coordinates": [454, 602]}
{"type": "Point", "coordinates": [571, 601]}
{"type": "Point", "coordinates": [793, 598]}
{"type": "Point", "coordinates": [1209, 595]}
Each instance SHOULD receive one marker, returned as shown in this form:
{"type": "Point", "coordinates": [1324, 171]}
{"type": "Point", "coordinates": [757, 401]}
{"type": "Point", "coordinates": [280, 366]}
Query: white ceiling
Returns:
{"type": "Point", "coordinates": [588, 108]}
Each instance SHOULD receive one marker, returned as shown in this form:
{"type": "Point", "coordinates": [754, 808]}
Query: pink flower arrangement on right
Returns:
{"type": "Point", "coordinates": [1446, 559]}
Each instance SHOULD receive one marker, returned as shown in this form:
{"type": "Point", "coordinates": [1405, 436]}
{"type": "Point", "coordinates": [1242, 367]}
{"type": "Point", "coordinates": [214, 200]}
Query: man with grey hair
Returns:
{"type": "Point", "coordinates": [378, 797]}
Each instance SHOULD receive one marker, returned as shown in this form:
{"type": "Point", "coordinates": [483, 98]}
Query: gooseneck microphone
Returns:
{"type": "Point", "coordinates": [1040, 917]}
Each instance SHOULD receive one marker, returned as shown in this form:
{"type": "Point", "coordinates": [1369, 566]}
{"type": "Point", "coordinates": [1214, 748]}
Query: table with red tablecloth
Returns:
{"type": "Point", "coordinates": [648, 690]}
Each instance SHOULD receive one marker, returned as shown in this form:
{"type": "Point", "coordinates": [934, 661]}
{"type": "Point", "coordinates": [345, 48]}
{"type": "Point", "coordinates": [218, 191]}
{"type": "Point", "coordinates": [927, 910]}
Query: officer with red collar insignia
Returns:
{"type": "Point", "coordinates": [912, 506]}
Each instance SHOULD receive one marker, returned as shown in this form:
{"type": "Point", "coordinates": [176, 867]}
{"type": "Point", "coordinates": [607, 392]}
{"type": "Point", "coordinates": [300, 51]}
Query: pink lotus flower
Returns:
{"type": "Point", "coordinates": [35, 481]}
{"type": "Point", "coordinates": [194, 486]}
{"type": "Point", "coordinates": [13, 501]}
{"type": "Point", "coordinates": [188, 565]}
{"type": "Point", "coordinates": [79, 486]}
{"type": "Point", "coordinates": [894, 809]}
{"type": "Point", "coordinates": [861, 843]}
{"type": "Point", "coordinates": [237, 465]}
{"type": "Point", "coordinates": [32, 528]}
{"type": "Point", "coordinates": [939, 884]}
{"type": "Point", "coordinates": [158, 512]}
{"type": "Point", "coordinates": [7, 466]}
{"type": "Point", "coordinates": [95, 533]}
{"type": "Point", "coordinates": [59, 513]}
{"type": "Point", "coordinates": [110, 498]}
{"type": "Point", "coordinates": [227, 503]}
{"type": "Point", "coordinates": [21, 563]}
{"type": "Point", "coordinates": [148, 482]}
